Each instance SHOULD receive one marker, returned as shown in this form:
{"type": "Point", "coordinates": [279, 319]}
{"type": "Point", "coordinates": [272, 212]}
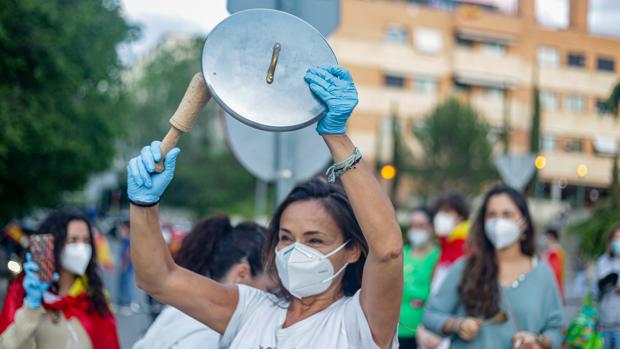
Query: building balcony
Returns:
{"type": "Point", "coordinates": [563, 167]}
{"type": "Point", "coordinates": [400, 59]}
{"type": "Point", "coordinates": [481, 68]}
{"type": "Point", "coordinates": [575, 80]}
{"type": "Point", "coordinates": [381, 101]}
{"type": "Point", "coordinates": [583, 125]}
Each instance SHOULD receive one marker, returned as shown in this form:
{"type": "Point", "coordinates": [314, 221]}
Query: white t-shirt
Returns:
{"type": "Point", "coordinates": [258, 318]}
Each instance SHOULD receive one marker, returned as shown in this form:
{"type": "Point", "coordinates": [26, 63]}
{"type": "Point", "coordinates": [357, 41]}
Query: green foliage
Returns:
{"type": "Point", "coordinates": [593, 230]}
{"type": "Point", "coordinates": [457, 153]}
{"type": "Point", "coordinates": [61, 105]}
{"type": "Point", "coordinates": [207, 179]}
{"type": "Point", "coordinates": [612, 103]}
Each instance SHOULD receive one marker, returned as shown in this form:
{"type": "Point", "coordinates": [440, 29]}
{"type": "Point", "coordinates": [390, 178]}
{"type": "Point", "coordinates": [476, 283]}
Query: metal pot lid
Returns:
{"type": "Point", "coordinates": [254, 64]}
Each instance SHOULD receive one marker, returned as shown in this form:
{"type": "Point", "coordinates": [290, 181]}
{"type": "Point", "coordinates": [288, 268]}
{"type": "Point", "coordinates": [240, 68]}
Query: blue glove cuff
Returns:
{"type": "Point", "coordinates": [144, 204]}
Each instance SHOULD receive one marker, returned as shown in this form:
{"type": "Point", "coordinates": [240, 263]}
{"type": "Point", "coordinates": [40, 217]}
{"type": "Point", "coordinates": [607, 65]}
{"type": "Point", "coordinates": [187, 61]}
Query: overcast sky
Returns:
{"type": "Point", "coordinates": [158, 17]}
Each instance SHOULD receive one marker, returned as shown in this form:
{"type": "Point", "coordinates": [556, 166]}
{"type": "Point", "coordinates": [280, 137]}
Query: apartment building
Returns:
{"type": "Point", "coordinates": [411, 55]}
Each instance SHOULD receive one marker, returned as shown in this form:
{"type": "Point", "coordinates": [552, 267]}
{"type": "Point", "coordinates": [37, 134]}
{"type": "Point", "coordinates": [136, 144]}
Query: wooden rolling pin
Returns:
{"type": "Point", "coordinates": [195, 98]}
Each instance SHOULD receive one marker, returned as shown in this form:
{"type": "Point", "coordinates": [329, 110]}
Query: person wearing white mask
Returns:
{"type": "Point", "coordinates": [608, 287]}
{"type": "Point", "coordinates": [335, 251]}
{"type": "Point", "coordinates": [420, 258]}
{"type": "Point", "coordinates": [501, 296]}
{"type": "Point", "coordinates": [69, 312]}
{"type": "Point", "coordinates": [451, 225]}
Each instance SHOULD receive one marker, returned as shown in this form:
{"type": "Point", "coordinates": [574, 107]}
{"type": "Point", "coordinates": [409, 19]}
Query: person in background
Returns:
{"type": "Point", "coordinates": [420, 257]}
{"type": "Point", "coordinates": [125, 281]}
{"type": "Point", "coordinates": [214, 248]}
{"type": "Point", "coordinates": [451, 213]}
{"type": "Point", "coordinates": [71, 312]}
{"type": "Point", "coordinates": [608, 272]}
{"type": "Point", "coordinates": [553, 253]}
{"type": "Point", "coordinates": [500, 296]}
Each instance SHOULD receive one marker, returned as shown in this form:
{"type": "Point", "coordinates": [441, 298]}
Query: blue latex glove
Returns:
{"type": "Point", "coordinates": [334, 86]}
{"type": "Point", "coordinates": [32, 285]}
{"type": "Point", "coordinates": [143, 184]}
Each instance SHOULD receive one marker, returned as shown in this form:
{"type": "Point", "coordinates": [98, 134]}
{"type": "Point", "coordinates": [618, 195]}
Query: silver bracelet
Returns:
{"type": "Point", "coordinates": [337, 170]}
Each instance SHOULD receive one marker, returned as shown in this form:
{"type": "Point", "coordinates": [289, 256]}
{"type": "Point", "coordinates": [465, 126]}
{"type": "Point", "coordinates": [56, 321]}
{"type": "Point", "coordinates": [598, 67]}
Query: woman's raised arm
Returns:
{"type": "Point", "coordinates": [382, 284]}
{"type": "Point", "coordinates": [156, 272]}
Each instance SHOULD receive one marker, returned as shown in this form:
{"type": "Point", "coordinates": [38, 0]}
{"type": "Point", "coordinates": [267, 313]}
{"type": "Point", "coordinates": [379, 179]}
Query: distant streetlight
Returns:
{"type": "Point", "coordinates": [388, 172]}
{"type": "Point", "coordinates": [582, 171]}
{"type": "Point", "coordinates": [540, 162]}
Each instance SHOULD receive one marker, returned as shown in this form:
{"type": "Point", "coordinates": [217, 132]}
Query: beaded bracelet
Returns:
{"type": "Point", "coordinates": [337, 170]}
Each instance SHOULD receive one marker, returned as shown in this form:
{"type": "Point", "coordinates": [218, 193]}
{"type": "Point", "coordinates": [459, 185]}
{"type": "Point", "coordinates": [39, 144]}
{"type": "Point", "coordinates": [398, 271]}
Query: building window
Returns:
{"type": "Point", "coordinates": [464, 43]}
{"type": "Point", "coordinates": [548, 57]}
{"type": "Point", "coordinates": [493, 92]}
{"type": "Point", "coordinates": [427, 40]}
{"type": "Point", "coordinates": [576, 59]}
{"type": "Point", "coordinates": [573, 145]}
{"type": "Point", "coordinates": [574, 103]}
{"type": "Point", "coordinates": [394, 81]}
{"type": "Point", "coordinates": [395, 34]}
{"type": "Point", "coordinates": [426, 85]}
{"type": "Point", "coordinates": [548, 101]}
{"type": "Point", "coordinates": [605, 64]}
{"type": "Point", "coordinates": [494, 47]}
{"type": "Point", "coordinates": [548, 143]}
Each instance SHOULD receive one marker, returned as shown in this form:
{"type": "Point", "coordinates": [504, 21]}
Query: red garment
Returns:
{"type": "Point", "coordinates": [100, 329]}
{"type": "Point", "coordinates": [555, 258]}
{"type": "Point", "coordinates": [451, 250]}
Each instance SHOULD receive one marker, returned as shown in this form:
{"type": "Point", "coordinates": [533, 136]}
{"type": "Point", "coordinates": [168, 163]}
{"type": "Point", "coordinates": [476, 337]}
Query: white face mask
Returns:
{"type": "Point", "coordinates": [502, 232]}
{"type": "Point", "coordinates": [615, 247]}
{"type": "Point", "coordinates": [305, 271]}
{"type": "Point", "coordinates": [418, 237]}
{"type": "Point", "coordinates": [75, 257]}
{"type": "Point", "coordinates": [444, 224]}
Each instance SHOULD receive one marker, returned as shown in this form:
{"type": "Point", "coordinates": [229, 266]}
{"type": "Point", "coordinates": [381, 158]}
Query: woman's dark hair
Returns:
{"type": "Point", "coordinates": [553, 232]}
{"type": "Point", "coordinates": [56, 224]}
{"type": "Point", "coordinates": [479, 288]}
{"type": "Point", "coordinates": [336, 204]}
{"type": "Point", "coordinates": [610, 238]}
{"type": "Point", "coordinates": [214, 246]}
{"type": "Point", "coordinates": [425, 211]}
{"type": "Point", "coordinates": [452, 201]}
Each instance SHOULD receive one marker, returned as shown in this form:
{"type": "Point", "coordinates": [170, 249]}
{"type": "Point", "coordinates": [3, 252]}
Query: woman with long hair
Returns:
{"type": "Point", "coordinates": [69, 312]}
{"type": "Point", "coordinates": [608, 285]}
{"type": "Point", "coordinates": [228, 254]}
{"type": "Point", "coordinates": [501, 296]}
{"type": "Point", "coordinates": [335, 251]}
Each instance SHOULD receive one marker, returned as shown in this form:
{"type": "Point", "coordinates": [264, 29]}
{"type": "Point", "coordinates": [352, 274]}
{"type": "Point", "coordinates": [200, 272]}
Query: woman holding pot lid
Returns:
{"type": "Point", "coordinates": [501, 296]}
{"type": "Point", "coordinates": [336, 252]}
{"type": "Point", "coordinates": [71, 312]}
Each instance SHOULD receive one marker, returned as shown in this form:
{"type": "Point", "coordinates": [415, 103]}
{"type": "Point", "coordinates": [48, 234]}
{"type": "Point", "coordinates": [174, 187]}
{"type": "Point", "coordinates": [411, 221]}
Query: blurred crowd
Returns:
{"type": "Point", "coordinates": [469, 280]}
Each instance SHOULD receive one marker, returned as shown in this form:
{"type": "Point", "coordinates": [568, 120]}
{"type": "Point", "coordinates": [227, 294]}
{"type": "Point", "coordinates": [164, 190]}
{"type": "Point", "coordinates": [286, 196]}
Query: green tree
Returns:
{"type": "Point", "coordinates": [535, 129]}
{"type": "Point", "coordinates": [457, 153]}
{"type": "Point", "coordinates": [61, 104]}
{"type": "Point", "coordinates": [613, 102]}
{"type": "Point", "coordinates": [208, 179]}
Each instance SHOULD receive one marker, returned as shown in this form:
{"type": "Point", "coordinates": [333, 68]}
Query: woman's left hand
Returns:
{"type": "Point", "coordinates": [334, 86]}
{"type": "Point", "coordinates": [525, 340]}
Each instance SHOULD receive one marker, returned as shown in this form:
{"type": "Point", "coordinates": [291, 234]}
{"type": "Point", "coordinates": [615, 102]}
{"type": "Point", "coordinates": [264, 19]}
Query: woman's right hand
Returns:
{"type": "Point", "coordinates": [32, 285]}
{"type": "Point", "coordinates": [144, 186]}
{"type": "Point", "coordinates": [468, 329]}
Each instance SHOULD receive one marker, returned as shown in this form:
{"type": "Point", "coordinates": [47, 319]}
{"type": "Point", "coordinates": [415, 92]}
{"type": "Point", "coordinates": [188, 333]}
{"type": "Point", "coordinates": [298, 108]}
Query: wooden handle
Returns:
{"type": "Point", "coordinates": [194, 100]}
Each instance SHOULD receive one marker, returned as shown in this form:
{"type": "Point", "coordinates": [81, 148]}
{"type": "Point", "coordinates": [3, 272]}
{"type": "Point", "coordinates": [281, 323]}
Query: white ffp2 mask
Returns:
{"type": "Point", "coordinates": [305, 271]}
{"type": "Point", "coordinates": [502, 232]}
{"type": "Point", "coordinates": [444, 224]}
{"type": "Point", "coordinates": [418, 237]}
{"type": "Point", "coordinates": [75, 257]}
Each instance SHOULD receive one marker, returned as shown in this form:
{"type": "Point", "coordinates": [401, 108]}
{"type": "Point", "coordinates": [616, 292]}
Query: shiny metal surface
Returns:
{"type": "Point", "coordinates": [236, 59]}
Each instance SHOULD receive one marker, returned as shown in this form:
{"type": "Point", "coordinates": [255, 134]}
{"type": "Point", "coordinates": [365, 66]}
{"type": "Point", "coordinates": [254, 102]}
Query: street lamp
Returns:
{"type": "Point", "coordinates": [540, 162]}
{"type": "Point", "coordinates": [388, 172]}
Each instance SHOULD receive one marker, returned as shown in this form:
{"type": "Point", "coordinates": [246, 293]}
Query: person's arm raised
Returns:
{"type": "Point", "coordinates": [156, 272]}
{"type": "Point", "coordinates": [382, 283]}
